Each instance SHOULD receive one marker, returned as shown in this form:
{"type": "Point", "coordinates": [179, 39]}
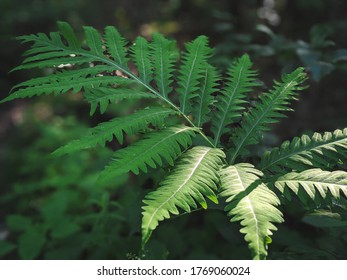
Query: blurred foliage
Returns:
{"type": "Point", "coordinates": [51, 209]}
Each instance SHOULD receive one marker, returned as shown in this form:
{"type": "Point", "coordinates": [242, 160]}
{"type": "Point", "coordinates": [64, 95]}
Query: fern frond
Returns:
{"type": "Point", "coordinates": [103, 96]}
{"type": "Point", "coordinates": [164, 54]}
{"type": "Point", "coordinates": [308, 151]}
{"type": "Point", "coordinates": [314, 180]}
{"type": "Point", "coordinates": [252, 203]}
{"type": "Point", "coordinates": [105, 132]}
{"type": "Point", "coordinates": [165, 144]}
{"type": "Point", "coordinates": [269, 110]}
{"type": "Point", "coordinates": [205, 98]}
{"type": "Point", "coordinates": [230, 101]}
{"type": "Point", "coordinates": [194, 63]}
{"type": "Point", "coordinates": [141, 54]}
{"type": "Point", "coordinates": [194, 177]}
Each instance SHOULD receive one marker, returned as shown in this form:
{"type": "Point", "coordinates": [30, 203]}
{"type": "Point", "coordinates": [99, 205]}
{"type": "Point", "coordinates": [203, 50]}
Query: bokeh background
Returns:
{"type": "Point", "coordinates": [52, 208]}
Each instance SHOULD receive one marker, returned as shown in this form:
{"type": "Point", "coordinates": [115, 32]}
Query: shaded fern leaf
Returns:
{"type": "Point", "coordinates": [205, 98]}
{"type": "Point", "coordinates": [194, 177]}
{"type": "Point", "coordinates": [105, 132]}
{"type": "Point", "coordinates": [269, 110]}
{"type": "Point", "coordinates": [116, 46]}
{"type": "Point", "coordinates": [164, 54]}
{"type": "Point", "coordinates": [165, 144]}
{"type": "Point", "coordinates": [314, 180]}
{"type": "Point", "coordinates": [141, 54]}
{"type": "Point", "coordinates": [317, 150]}
{"type": "Point", "coordinates": [51, 51]}
{"type": "Point", "coordinates": [103, 96]}
{"type": "Point", "coordinates": [62, 49]}
{"type": "Point", "coordinates": [252, 203]}
{"type": "Point", "coordinates": [194, 63]}
{"type": "Point", "coordinates": [230, 102]}
{"type": "Point", "coordinates": [60, 85]}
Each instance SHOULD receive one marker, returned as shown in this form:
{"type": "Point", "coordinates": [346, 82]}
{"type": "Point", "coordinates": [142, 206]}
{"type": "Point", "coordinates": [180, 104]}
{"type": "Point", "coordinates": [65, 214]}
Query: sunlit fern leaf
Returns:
{"type": "Point", "coordinates": [229, 105]}
{"type": "Point", "coordinates": [141, 54]}
{"type": "Point", "coordinates": [194, 177]}
{"type": "Point", "coordinates": [150, 151]}
{"type": "Point", "coordinates": [252, 203]}
{"type": "Point", "coordinates": [205, 98]}
{"type": "Point", "coordinates": [314, 180]}
{"type": "Point", "coordinates": [268, 111]}
{"type": "Point", "coordinates": [116, 46]}
{"type": "Point", "coordinates": [105, 132]}
{"type": "Point", "coordinates": [103, 96]}
{"type": "Point", "coordinates": [193, 65]}
{"type": "Point", "coordinates": [164, 55]}
{"type": "Point", "coordinates": [308, 151]}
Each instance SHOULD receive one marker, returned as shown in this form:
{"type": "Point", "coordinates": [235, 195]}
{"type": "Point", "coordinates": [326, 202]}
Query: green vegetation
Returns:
{"type": "Point", "coordinates": [200, 130]}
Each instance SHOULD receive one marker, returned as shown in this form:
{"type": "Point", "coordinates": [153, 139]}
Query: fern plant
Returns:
{"type": "Point", "coordinates": [200, 127]}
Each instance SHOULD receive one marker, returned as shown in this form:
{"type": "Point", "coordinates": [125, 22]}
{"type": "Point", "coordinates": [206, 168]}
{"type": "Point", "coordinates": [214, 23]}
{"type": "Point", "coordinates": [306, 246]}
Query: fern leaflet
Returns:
{"type": "Point", "coordinates": [141, 54]}
{"type": "Point", "coordinates": [116, 47]}
{"type": "Point", "coordinates": [318, 150]}
{"type": "Point", "coordinates": [103, 96]}
{"type": "Point", "coordinates": [205, 98]}
{"type": "Point", "coordinates": [313, 180]}
{"type": "Point", "coordinates": [105, 132]}
{"type": "Point", "coordinates": [194, 177]}
{"type": "Point", "coordinates": [252, 203]}
{"type": "Point", "coordinates": [194, 60]}
{"type": "Point", "coordinates": [229, 105]}
{"type": "Point", "coordinates": [165, 54]}
{"type": "Point", "coordinates": [149, 151]}
{"type": "Point", "coordinates": [268, 111]}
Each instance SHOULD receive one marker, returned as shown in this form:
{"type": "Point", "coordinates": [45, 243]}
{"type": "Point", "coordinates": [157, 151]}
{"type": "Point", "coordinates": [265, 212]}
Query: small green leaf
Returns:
{"type": "Point", "coordinates": [31, 242]}
{"type": "Point", "coordinates": [64, 228]}
{"type": "Point", "coordinates": [6, 248]}
{"type": "Point", "coordinates": [18, 222]}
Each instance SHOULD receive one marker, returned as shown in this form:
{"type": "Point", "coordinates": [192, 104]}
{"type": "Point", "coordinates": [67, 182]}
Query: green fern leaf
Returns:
{"type": "Point", "coordinates": [164, 54]}
{"type": "Point", "coordinates": [164, 144]}
{"type": "Point", "coordinates": [94, 42]}
{"type": "Point", "coordinates": [105, 132]}
{"type": "Point", "coordinates": [69, 35]}
{"type": "Point", "coordinates": [268, 111]}
{"type": "Point", "coordinates": [51, 51]}
{"type": "Point", "coordinates": [104, 96]}
{"type": "Point", "coordinates": [141, 54]}
{"type": "Point", "coordinates": [252, 203]}
{"type": "Point", "coordinates": [58, 85]}
{"type": "Point", "coordinates": [194, 63]}
{"type": "Point", "coordinates": [317, 150]}
{"type": "Point", "coordinates": [116, 46]}
{"type": "Point", "coordinates": [314, 180]}
{"type": "Point", "coordinates": [229, 105]}
{"type": "Point", "coordinates": [205, 98]}
{"type": "Point", "coordinates": [194, 177]}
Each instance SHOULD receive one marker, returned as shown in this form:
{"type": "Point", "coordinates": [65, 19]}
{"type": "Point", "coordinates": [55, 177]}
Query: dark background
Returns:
{"type": "Point", "coordinates": [52, 209]}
